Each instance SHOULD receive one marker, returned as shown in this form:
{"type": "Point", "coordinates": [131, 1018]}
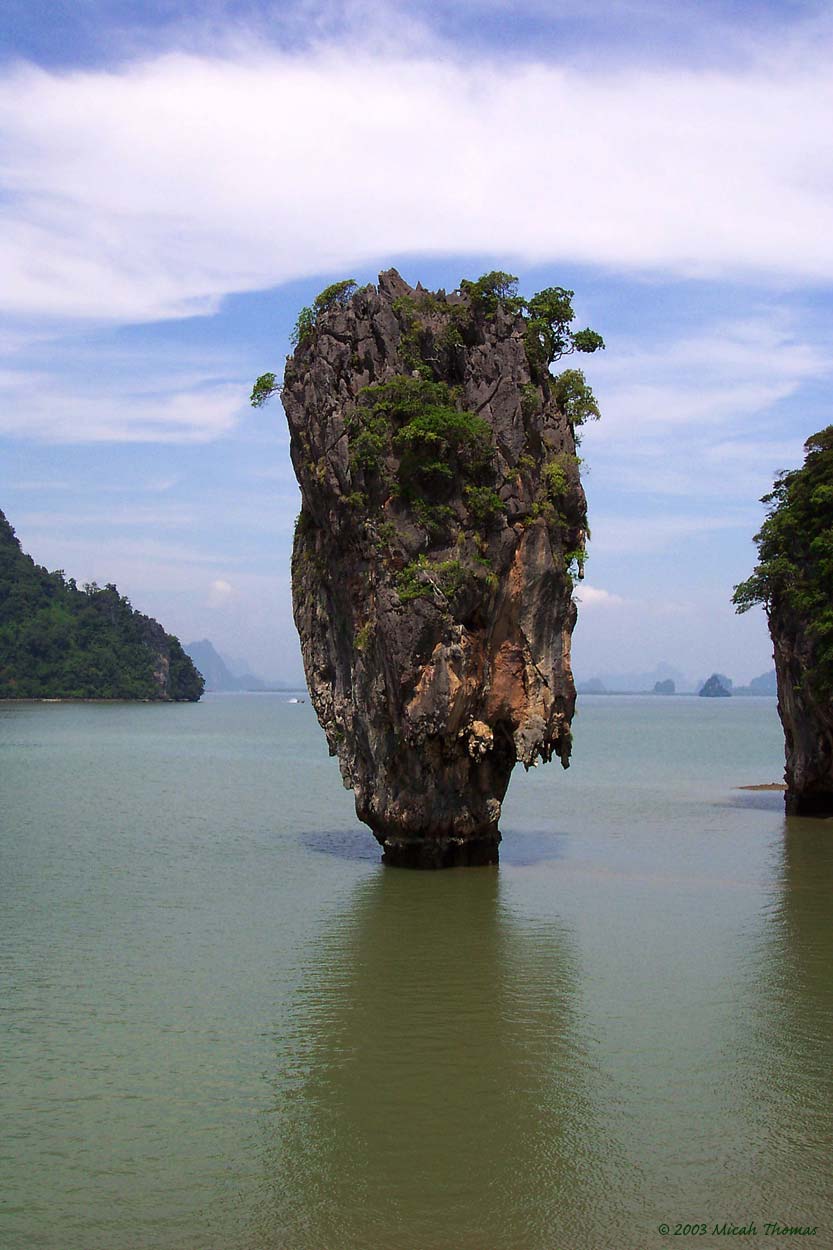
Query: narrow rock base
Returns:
{"type": "Point", "coordinates": [445, 852]}
{"type": "Point", "coordinates": [816, 803]}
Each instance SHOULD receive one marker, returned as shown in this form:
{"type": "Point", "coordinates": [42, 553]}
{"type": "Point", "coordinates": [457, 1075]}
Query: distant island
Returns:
{"type": "Point", "coordinates": [227, 676]}
{"type": "Point", "coordinates": [218, 676]}
{"type": "Point", "coordinates": [715, 688]}
{"type": "Point", "coordinates": [61, 642]}
{"type": "Point", "coordinates": [650, 683]}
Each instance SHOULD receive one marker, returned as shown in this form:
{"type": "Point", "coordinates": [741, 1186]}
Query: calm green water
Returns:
{"type": "Point", "coordinates": [226, 1027]}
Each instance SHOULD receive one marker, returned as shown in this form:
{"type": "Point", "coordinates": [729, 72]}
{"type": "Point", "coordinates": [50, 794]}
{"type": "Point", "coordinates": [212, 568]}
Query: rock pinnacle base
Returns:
{"type": "Point", "coordinates": [817, 803]}
{"type": "Point", "coordinates": [444, 852]}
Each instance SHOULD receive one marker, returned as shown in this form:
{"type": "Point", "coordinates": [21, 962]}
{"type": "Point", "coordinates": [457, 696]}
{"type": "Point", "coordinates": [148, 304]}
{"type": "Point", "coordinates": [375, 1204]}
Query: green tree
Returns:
{"type": "Point", "coordinates": [794, 573]}
{"type": "Point", "coordinates": [549, 335]}
{"type": "Point", "coordinates": [263, 389]}
{"type": "Point", "coordinates": [60, 642]}
{"type": "Point", "coordinates": [492, 291]}
{"type": "Point", "coordinates": [336, 295]}
{"type": "Point", "coordinates": [574, 397]}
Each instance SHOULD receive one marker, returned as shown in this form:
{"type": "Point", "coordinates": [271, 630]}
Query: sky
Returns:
{"type": "Point", "coordinates": [177, 180]}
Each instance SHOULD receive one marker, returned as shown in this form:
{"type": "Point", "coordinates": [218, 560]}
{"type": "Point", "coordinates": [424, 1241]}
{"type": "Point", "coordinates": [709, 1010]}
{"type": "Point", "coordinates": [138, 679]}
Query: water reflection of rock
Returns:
{"type": "Point", "coordinates": [789, 1065]}
{"type": "Point", "coordinates": [431, 1092]}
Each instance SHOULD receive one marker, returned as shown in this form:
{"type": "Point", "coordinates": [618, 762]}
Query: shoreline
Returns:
{"type": "Point", "coordinates": [172, 702]}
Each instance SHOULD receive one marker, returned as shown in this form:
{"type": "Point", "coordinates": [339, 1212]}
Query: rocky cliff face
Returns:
{"type": "Point", "coordinates": [794, 582]}
{"type": "Point", "coordinates": [442, 522]}
{"type": "Point", "coordinates": [806, 715]}
{"type": "Point", "coordinates": [174, 675]}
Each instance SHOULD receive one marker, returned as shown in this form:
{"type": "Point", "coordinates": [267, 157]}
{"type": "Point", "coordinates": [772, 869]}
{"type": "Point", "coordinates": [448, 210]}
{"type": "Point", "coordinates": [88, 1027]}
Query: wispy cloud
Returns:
{"type": "Point", "coordinates": [45, 407]}
{"type": "Point", "coordinates": [220, 592]}
{"type": "Point", "coordinates": [153, 190]}
{"type": "Point", "coordinates": [721, 374]}
{"type": "Point", "coordinates": [41, 539]}
{"type": "Point", "coordinates": [707, 415]}
{"type": "Point", "coordinates": [127, 516]}
{"type": "Point", "coordinates": [653, 532]}
{"type": "Point", "coordinates": [594, 597]}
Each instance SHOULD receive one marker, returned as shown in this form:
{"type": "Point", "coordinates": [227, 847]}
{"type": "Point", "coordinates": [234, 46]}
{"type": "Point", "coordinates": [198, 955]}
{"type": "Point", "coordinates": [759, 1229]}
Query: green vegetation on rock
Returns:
{"type": "Point", "coordinates": [363, 636]}
{"type": "Point", "coordinates": [794, 574]}
{"type": "Point", "coordinates": [434, 444]}
{"type": "Point", "coordinates": [59, 642]}
{"type": "Point", "coordinates": [418, 458]}
{"type": "Point", "coordinates": [483, 503]}
{"type": "Point", "coordinates": [574, 397]}
{"type": "Point", "coordinates": [555, 479]}
{"type": "Point", "coordinates": [530, 399]}
{"type": "Point", "coordinates": [334, 296]}
{"type": "Point", "coordinates": [575, 561]}
{"type": "Point", "coordinates": [548, 335]}
{"type": "Point", "coordinates": [441, 442]}
{"type": "Point", "coordinates": [493, 291]}
{"type": "Point", "coordinates": [263, 390]}
{"type": "Point", "coordinates": [423, 576]}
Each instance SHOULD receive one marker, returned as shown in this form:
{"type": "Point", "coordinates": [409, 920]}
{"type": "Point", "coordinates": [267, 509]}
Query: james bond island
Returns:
{"type": "Point", "coordinates": [794, 582]}
{"type": "Point", "coordinates": [442, 527]}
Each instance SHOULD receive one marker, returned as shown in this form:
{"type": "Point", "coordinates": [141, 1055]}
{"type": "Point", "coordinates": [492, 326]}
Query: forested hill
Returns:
{"type": "Point", "coordinates": [59, 642]}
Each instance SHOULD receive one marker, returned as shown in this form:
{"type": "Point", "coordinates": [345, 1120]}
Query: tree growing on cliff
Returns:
{"type": "Point", "coordinates": [549, 316]}
{"type": "Point", "coordinates": [336, 295]}
{"type": "Point", "coordinates": [548, 333]}
{"type": "Point", "coordinates": [263, 390]}
{"type": "Point", "coordinates": [57, 641]}
{"type": "Point", "coordinates": [794, 573]}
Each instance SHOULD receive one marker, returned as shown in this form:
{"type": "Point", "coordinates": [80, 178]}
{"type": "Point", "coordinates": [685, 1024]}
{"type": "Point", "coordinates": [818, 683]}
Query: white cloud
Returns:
{"type": "Point", "coordinates": [711, 415]}
{"type": "Point", "coordinates": [594, 597]}
{"type": "Point", "coordinates": [650, 533]}
{"type": "Point", "coordinates": [128, 515]}
{"type": "Point", "coordinates": [49, 546]}
{"type": "Point", "coordinates": [44, 407]}
{"type": "Point", "coordinates": [220, 591]}
{"type": "Point", "coordinates": [718, 376]}
{"type": "Point", "coordinates": [159, 485]}
{"type": "Point", "coordinates": [155, 189]}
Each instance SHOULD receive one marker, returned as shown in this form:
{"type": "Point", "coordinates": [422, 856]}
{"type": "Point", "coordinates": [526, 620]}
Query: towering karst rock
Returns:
{"type": "Point", "coordinates": [794, 582]}
{"type": "Point", "coordinates": [442, 524]}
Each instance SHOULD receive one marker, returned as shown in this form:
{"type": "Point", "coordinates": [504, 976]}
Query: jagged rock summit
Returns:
{"type": "Point", "coordinates": [442, 523]}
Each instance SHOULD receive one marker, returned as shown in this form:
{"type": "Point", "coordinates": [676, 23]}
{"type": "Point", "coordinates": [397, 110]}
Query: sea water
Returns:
{"type": "Point", "coordinates": [225, 1026]}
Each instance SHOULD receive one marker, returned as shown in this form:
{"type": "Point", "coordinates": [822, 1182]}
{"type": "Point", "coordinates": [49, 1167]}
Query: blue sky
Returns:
{"type": "Point", "coordinates": [175, 181]}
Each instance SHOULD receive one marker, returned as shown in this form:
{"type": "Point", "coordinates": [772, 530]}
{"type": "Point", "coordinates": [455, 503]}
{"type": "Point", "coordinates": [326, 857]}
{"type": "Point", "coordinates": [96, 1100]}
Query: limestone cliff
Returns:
{"type": "Point", "coordinates": [806, 714]}
{"type": "Point", "coordinates": [794, 582]}
{"type": "Point", "coordinates": [442, 522]}
{"type": "Point", "coordinates": [59, 642]}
